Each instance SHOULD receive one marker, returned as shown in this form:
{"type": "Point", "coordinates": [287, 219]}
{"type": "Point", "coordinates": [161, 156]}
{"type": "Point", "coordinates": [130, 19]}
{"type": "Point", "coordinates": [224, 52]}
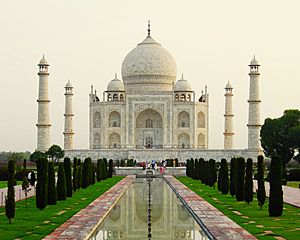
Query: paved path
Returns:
{"type": "Point", "coordinates": [290, 195]}
{"type": "Point", "coordinates": [219, 225]}
{"type": "Point", "coordinates": [84, 223]}
{"type": "Point", "coordinates": [19, 194]}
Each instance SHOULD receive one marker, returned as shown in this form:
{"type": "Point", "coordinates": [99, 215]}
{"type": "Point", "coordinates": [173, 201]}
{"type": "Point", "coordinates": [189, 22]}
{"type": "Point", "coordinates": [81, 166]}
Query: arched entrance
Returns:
{"type": "Point", "coordinates": [149, 130]}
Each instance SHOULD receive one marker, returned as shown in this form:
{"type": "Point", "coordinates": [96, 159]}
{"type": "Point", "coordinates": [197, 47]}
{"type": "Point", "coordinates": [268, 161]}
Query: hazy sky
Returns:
{"type": "Point", "coordinates": [86, 42]}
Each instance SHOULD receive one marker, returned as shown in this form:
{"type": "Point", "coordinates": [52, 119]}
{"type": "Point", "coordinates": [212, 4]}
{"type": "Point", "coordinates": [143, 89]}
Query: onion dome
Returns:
{"type": "Point", "coordinates": [115, 85]}
{"type": "Point", "coordinates": [148, 63]}
{"type": "Point", "coordinates": [182, 85]}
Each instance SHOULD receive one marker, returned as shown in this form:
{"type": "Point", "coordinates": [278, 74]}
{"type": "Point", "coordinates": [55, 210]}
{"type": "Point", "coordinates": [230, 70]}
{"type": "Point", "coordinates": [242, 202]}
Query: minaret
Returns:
{"type": "Point", "coordinates": [228, 131]}
{"type": "Point", "coordinates": [43, 124]}
{"type": "Point", "coordinates": [68, 133]}
{"type": "Point", "coordinates": [254, 107]}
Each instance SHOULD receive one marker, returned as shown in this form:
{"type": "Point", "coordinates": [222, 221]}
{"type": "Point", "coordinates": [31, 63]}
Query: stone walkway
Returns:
{"type": "Point", "coordinates": [83, 223]}
{"type": "Point", "coordinates": [291, 195]}
{"type": "Point", "coordinates": [219, 225]}
{"type": "Point", "coordinates": [19, 194]}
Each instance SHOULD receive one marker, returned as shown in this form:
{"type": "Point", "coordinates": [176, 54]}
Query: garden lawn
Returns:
{"type": "Point", "coordinates": [249, 216]}
{"type": "Point", "coordinates": [293, 184]}
{"type": "Point", "coordinates": [3, 184]}
{"type": "Point", "coordinates": [39, 223]}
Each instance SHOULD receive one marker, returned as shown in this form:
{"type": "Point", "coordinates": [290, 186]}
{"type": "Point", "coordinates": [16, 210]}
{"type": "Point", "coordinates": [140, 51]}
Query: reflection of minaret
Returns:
{"type": "Point", "coordinates": [254, 107]}
{"type": "Point", "coordinates": [43, 124]}
{"type": "Point", "coordinates": [228, 131]}
{"type": "Point", "coordinates": [68, 133]}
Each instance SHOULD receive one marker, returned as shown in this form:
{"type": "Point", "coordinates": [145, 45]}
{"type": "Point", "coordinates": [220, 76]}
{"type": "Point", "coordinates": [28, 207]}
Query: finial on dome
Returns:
{"type": "Point", "coordinates": [149, 30]}
{"type": "Point", "coordinates": [181, 75]}
{"type": "Point", "coordinates": [116, 76]}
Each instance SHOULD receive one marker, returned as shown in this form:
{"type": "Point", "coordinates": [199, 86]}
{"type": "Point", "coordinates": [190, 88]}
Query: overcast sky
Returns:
{"type": "Point", "coordinates": [86, 42]}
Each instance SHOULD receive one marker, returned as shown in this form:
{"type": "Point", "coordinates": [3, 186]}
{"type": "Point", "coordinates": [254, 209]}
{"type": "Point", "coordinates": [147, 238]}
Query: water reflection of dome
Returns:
{"type": "Point", "coordinates": [141, 202]}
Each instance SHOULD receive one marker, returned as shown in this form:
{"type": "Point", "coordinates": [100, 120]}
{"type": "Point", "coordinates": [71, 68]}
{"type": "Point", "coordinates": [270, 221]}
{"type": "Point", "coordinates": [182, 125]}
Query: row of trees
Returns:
{"type": "Point", "coordinates": [239, 181]}
{"type": "Point", "coordinates": [48, 190]}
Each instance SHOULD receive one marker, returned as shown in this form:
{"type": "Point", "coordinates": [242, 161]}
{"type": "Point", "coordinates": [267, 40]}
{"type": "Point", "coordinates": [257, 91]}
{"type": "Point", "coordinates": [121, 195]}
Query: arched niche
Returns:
{"type": "Point", "coordinates": [183, 119]}
{"type": "Point", "coordinates": [183, 140]}
{"type": "Point", "coordinates": [114, 140]}
{"type": "Point", "coordinates": [114, 119]}
{"type": "Point", "coordinates": [201, 140]}
{"type": "Point", "coordinates": [201, 120]}
{"type": "Point", "coordinates": [97, 120]}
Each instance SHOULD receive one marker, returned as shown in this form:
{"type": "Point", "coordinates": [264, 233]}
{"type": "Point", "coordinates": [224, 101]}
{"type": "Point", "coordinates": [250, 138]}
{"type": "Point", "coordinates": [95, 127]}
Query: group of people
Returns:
{"type": "Point", "coordinates": [156, 166]}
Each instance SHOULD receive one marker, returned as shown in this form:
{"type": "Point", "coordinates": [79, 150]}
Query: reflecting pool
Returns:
{"type": "Point", "coordinates": [130, 216]}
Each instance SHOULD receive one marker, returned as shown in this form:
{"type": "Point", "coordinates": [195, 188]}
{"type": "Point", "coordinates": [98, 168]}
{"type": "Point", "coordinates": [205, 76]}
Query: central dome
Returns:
{"type": "Point", "coordinates": [149, 63]}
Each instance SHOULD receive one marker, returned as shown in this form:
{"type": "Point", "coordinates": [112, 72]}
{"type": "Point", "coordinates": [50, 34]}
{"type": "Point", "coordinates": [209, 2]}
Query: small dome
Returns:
{"type": "Point", "coordinates": [182, 85]}
{"type": "Point", "coordinates": [254, 62]}
{"type": "Point", "coordinates": [228, 86]}
{"type": "Point", "coordinates": [69, 85]}
{"type": "Point", "coordinates": [43, 62]}
{"type": "Point", "coordinates": [115, 85]}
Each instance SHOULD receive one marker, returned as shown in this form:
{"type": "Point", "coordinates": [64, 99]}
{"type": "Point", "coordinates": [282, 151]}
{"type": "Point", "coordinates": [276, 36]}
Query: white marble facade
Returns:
{"type": "Point", "coordinates": [148, 108]}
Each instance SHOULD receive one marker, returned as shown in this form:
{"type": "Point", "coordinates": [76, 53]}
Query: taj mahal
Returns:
{"type": "Point", "coordinates": [150, 112]}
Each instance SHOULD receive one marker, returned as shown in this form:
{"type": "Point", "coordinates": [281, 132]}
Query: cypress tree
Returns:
{"type": "Point", "coordinates": [10, 204]}
{"type": "Point", "coordinates": [85, 174]}
{"type": "Point", "coordinates": [276, 194]}
{"type": "Point", "coordinates": [261, 191]}
{"type": "Point", "coordinates": [192, 168]}
{"type": "Point", "coordinates": [61, 183]}
{"type": "Point", "coordinates": [223, 177]}
{"type": "Point", "coordinates": [42, 183]}
{"type": "Point", "coordinates": [240, 179]}
{"type": "Point", "coordinates": [98, 170]}
{"type": "Point", "coordinates": [232, 177]}
{"type": "Point", "coordinates": [75, 175]}
{"type": "Point", "coordinates": [93, 174]}
{"type": "Point", "coordinates": [105, 168]}
{"type": "Point", "coordinates": [201, 166]}
{"type": "Point", "coordinates": [197, 169]}
{"type": "Point", "coordinates": [68, 176]}
{"type": "Point", "coordinates": [110, 168]}
{"type": "Point", "coordinates": [52, 193]}
{"type": "Point", "coordinates": [79, 177]}
{"type": "Point", "coordinates": [213, 173]}
{"type": "Point", "coordinates": [249, 182]}
{"type": "Point", "coordinates": [206, 173]}
{"type": "Point", "coordinates": [187, 169]}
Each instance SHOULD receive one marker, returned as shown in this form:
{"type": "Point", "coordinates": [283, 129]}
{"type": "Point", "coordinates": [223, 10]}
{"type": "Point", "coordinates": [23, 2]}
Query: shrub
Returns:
{"type": "Point", "coordinates": [294, 175]}
{"type": "Point", "coordinates": [3, 174]}
{"type": "Point", "coordinates": [98, 170]}
{"type": "Point", "coordinates": [21, 174]}
{"type": "Point", "coordinates": [10, 204]}
{"type": "Point", "coordinates": [212, 173]}
{"type": "Point", "coordinates": [61, 183]}
{"type": "Point", "coordinates": [239, 179]}
{"type": "Point", "coordinates": [276, 194]}
{"type": "Point", "coordinates": [79, 177]}
{"type": "Point", "coordinates": [197, 169]}
{"type": "Point", "coordinates": [261, 192]}
{"type": "Point", "coordinates": [68, 176]}
{"type": "Point", "coordinates": [52, 193]}
{"type": "Point", "coordinates": [232, 177]}
{"type": "Point", "coordinates": [32, 179]}
{"type": "Point", "coordinates": [249, 182]}
{"type": "Point", "coordinates": [223, 181]}
{"type": "Point", "coordinates": [192, 168]}
{"type": "Point", "coordinates": [42, 183]}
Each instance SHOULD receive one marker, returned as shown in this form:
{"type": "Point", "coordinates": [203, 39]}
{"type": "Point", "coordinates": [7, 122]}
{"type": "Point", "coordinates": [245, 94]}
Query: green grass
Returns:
{"type": "Point", "coordinates": [251, 218]}
{"type": "Point", "coordinates": [39, 223]}
{"type": "Point", "coordinates": [3, 184]}
{"type": "Point", "coordinates": [293, 184]}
